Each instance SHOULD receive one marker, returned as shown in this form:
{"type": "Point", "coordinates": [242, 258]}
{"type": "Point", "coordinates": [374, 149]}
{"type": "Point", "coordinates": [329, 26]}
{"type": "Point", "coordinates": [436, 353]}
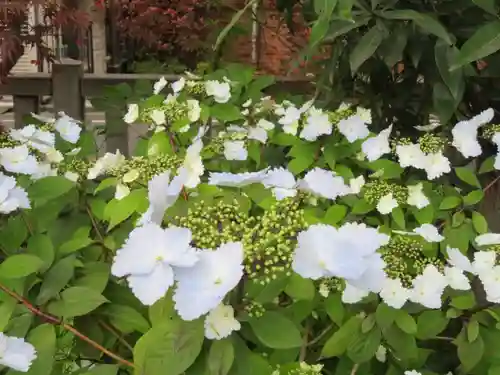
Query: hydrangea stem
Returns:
{"type": "Point", "coordinates": [56, 321]}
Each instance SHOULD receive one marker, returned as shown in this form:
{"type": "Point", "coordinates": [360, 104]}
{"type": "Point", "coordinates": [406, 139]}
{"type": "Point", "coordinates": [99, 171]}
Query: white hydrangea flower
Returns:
{"type": "Point", "coordinates": [41, 140]}
{"type": "Point", "coordinates": [429, 232]}
{"type": "Point", "coordinates": [364, 114]}
{"type": "Point", "coordinates": [194, 110]}
{"type": "Point", "coordinates": [192, 168]}
{"type": "Point", "coordinates": [18, 160]}
{"type": "Point", "coordinates": [325, 184]}
{"type": "Point", "coordinates": [12, 197]}
{"type": "Point", "coordinates": [68, 128]}
{"type": "Point", "coordinates": [257, 134]}
{"type": "Point", "coordinates": [160, 85]}
{"type": "Point", "coordinates": [381, 354]}
{"type": "Point", "coordinates": [158, 117]}
{"type": "Point", "coordinates": [150, 257]}
{"type": "Point", "coordinates": [352, 294]}
{"type": "Point", "coordinates": [282, 182]}
{"type": "Point", "coordinates": [72, 176]}
{"type": "Point", "coordinates": [386, 204]}
{"type": "Point", "coordinates": [429, 287]}
{"type": "Point", "coordinates": [105, 163]}
{"type": "Point", "coordinates": [202, 287]}
{"type": "Point", "coordinates": [121, 191]}
{"type": "Point", "coordinates": [484, 261]}
{"type": "Point", "coordinates": [491, 283]}
{"type": "Point", "coordinates": [436, 164]}
{"type": "Point", "coordinates": [353, 128]}
{"type": "Point", "coordinates": [178, 85]}
{"type": "Point", "coordinates": [162, 194]}
{"type": "Point", "coordinates": [44, 170]}
{"type": "Point", "coordinates": [15, 353]}
{"type": "Point", "coordinates": [459, 260]}
{"type": "Point", "coordinates": [488, 239]}
{"type": "Point", "coordinates": [355, 184]}
{"type": "Point", "coordinates": [377, 146]}
{"type": "Point", "coordinates": [290, 119]}
{"type": "Point", "coordinates": [411, 156]}
{"type": "Point", "coordinates": [412, 372]}
{"type": "Point", "coordinates": [456, 278]}
{"type": "Point", "coordinates": [496, 140]}
{"type": "Point", "coordinates": [54, 156]}
{"type": "Point", "coordinates": [317, 124]}
{"type": "Point", "coordinates": [416, 196]}
{"type": "Point", "coordinates": [235, 150]}
{"type": "Point", "coordinates": [346, 252]}
{"type": "Point", "coordinates": [265, 124]}
{"type": "Point", "coordinates": [132, 113]}
{"type": "Point", "coordinates": [465, 134]}
{"type": "Point", "coordinates": [393, 293]}
{"type": "Point", "coordinates": [221, 91]}
{"type": "Point", "coordinates": [220, 322]}
{"type": "Point", "coordinates": [236, 179]}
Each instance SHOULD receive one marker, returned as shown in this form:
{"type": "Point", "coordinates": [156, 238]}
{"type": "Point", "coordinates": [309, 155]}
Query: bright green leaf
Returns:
{"type": "Point", "coordinates": [340, 340]}
{"type": "Point", "coordinates": [468, 176]}
{"type": "Point", "coordinates": [125, 318]}
{"type": "Point", "coordinates": [470, 353]}
{"type": "Point", "coordinates": [450, 202]}
{"type": "Point", "coordinates": [479, 222]}
{"type": "Point", "coordinates": [364, 346]}
{"type": "Point", "coordinates": [474, 197]}
{"type": "Point", "coordinates": [21, 265]}
{"type": "Point", "coordinates": [335, 214]}
{"type": "Point", "coordinates": [56, 279]}
{"type": "Point", "coordinates": [41, 246]}
{"type": "Point", "coordinates": [406, 322]}
{"type": "Point", "coordinates": [335, 308]}
{"type": "Point", "coordinates": [48, 188]}
{"type": "Point", "coordinates": [430, 323]}
{"type": "Point", "coordinates": [276, 331]}
{"type": "Point", "coordinates": [220, 357]}
{"type": "Point", "coordinates": [464, 301]}
{"type": "Point", "coordinates": [300, 288]}
{"type": "Point", "coordinates": [43, 338]}
{"type": "Point", "coordinates": [76, 301]}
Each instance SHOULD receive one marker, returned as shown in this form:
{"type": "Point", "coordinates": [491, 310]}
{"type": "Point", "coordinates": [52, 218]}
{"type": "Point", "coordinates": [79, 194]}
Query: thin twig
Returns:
{"type": "Point", "coordinates": [117, 334]}
{"type": "Point", "coordinates": [355, 369]}
{"type": "Point", "coordinates": [94, 224]}
{"type": "Point", "coordinates": [321, 335]}
{"type": "Point", "coordinates": [303, 348]}
{"type": "Point", "coordinates": [56, 321]}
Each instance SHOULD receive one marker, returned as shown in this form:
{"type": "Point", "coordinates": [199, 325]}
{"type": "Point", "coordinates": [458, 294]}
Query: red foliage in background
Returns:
{"type": "Point", "coordinates": [178, 28]}
{"type": "Point", "coordinates": [16, 34]}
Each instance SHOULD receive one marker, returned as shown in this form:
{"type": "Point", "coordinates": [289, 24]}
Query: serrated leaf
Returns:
{"type": "Point", "coordinates": [468, 176]}
{"type": "Point", "coordinates": [484, 42]}
{"type": "Point", "coordinates": [220, 357]}
{"type": "Point", "coordinates": [76, 301]}
{"type": "Point", "coordinates": [21, 265]}
{"type": "Point", "coordinates": [172, 345]}
{"type": "Point", "coordinates": [276, 331]}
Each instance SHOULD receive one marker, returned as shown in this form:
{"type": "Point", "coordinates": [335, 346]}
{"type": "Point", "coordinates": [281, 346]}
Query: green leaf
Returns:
{"type": "Point", "coordinates": [160, 144]}
{"type": "Point", "coordinates": [335, 308]}
{"type": "Point", "coordinates": [487, 5]}
{"type": "Point", "coordinates": [103, 370]}
{"type": "Point", "coordinates": [43, 338]}
{"type": "Point", "coordinates": [56, 279]}
{"type": "Point", "coordinates": [49, 188]}
{"type": "Point", "coordinates": [424, 215]}
{"type": "Point", "coordinates": [300, 288]}
{"type": "Point", "coordinates": [340, 340]}
{"type": "Point", "coordinates": [362, 207]}
{"type": "Point", "coordinates": [464, 301]}
{"type": "Point", "coordinates": [126, 319]}
{"type": "Point", "coordinates": [172, 345]}
{"type": "Point", "coordinates": [300, 164]}
{"type": "Point", "coordinates": [468, 176]}
{"type": "Point", "coordinates": [390, 169]}
{"type": "Point", "coordinates": [450, 202]}
{"type": "Point", "coordinates": [430, 323]}
{"type": "Point", "coordinates": [366, 47]}
{"type": "Point", "coordinates": [484, 42]}
{"type": "Point", "coordinates": [276, 331]}
{"type": "Point", "coordinates": [488, 165]}
{"type": "Point", "coordinates": [406, 322]}
{"type": "Point", "coordinates": [399, 217]}
{"type": "Point", "coordinates": [162, 310]}
{"type": "Point", "coordinates": [7, 308]}
{"type": "Point", "coordinates": [318, 31]}
{"type": "Point", "coordinates": [220, 357]}
{"type": "Point", "coordinates": [13, 234]}
{"type": "Point", "coordinates": [335, 214]}
{"type": "Point", "coordinates": [479, 222]}
{"type": "Point", "coordinates": [105, 184]}
{"type": "Point", "coordinates": [472, 331]}
{"type": "Point", "coordinates": [41, 246]}
{"type": "Point", "coordinates": [425, 21]}
{"type": "Point", "coordinates": [403, 344]}
{"type": "Point", "coordinates": [470, 353]}
{"type": "Point", "coordinates": [444, 103]}
{"type": "Point", "coordinates": [119, 210]}
{"type": "Point", "coordinates": [76, 301]}
{"type": "Point", "coordinates": [226, 112]}
{"type": "Point", "coordinates": [324, 7]}
{"type": "Point", "coordinates": [75, 244]}
{"type": "Point", "coordinates": [94, 275]}
{"type": "Point", "coordinates": [474, 197]}
{"type": "Point", "coordinates": [364, 347]}
{"type": "Point", "coordinates": [22, 265]}
{"type": "Point", "coordinates": [444, 56]}
{"type": "Point", "coordinates": [385, 315]}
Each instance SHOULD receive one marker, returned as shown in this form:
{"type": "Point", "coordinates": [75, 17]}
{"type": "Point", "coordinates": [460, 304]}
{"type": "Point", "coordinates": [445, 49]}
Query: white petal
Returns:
{"type": "Point", "coordinates": [151, 287]}
{"type": "Point", "coordinates": [429, 232]}
{"type": "Point", "coordinates": [351, 294]}
{"type": "Point", "coordinates": [386, 204]}
{"type": "Point", "coordinates": [416, 196]}
{"type": "Point", "coordinates": [488, 239]}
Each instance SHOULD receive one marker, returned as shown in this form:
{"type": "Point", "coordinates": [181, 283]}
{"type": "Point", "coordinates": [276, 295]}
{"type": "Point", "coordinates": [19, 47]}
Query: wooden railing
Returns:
{"type": "Point", "coordinates": [69, 87]}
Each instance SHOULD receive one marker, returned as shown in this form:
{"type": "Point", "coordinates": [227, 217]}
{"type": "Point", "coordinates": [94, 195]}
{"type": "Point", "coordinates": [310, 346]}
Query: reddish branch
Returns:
{"type": "Point", "coordinates": [56, 321]}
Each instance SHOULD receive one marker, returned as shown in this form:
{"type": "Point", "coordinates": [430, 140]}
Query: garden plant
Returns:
{"type": "Point", "coordinates": [248, 235]}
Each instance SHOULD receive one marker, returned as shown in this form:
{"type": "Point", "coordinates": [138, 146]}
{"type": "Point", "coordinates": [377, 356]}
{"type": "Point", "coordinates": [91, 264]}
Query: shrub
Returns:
{"type": "Point", "coordinates": [248, 236]}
